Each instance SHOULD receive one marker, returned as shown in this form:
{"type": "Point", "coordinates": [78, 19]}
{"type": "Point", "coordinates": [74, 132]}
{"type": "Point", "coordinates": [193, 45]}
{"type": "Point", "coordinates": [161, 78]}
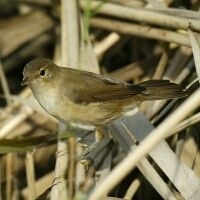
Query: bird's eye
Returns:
{"type": "Point", "coordinates": [42, 72]}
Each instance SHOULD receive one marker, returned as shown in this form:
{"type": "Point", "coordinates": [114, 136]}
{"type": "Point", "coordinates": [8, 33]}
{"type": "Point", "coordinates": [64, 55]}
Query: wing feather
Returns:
{"type": "Point", "coordinates": [87, 87]}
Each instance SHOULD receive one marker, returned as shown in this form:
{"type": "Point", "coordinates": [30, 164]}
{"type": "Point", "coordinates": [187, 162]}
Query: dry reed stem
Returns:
{"type": "Point", "coordinates": [69, 57]}
{"type": "Point", "coordinates": [41, 184]}
{"type": "Point", "coordinates": [177, 63]}
{"type": "Point", "coordinates": [185, 72]}
{"type": "Point", "coordinates": [157, 135]}
{"type": "Point", "coordinates": [156, 4]}
{"type": "Point", "coordinates": [38, 2]}
{"type": "Point", "coordinates": [70, 46]}
{"type": "Point", "coordinates": [135, 69]}
{"type": "Point", "coordinates": [130, 3]}
{"type": "Point", "coordinates": [186, 123]}
{"type": "Point", "coordinates": [5, 86]}
{"type": "Point", "coordinates": [15, 104]}
{"type": "Point", "coordinates": [71, 142]}
{"type": "Point", "coordinates": [30, 175]}
{"type": "Point", "coordinates": [22, 29]}
{"type": "Point", "coordinates": [144, 15]}
{"type": "Point", "coordinates": [161, 66]}
{"type": "Point", "coordinates": [59, 187]}
{"type": "Point", "coordinates": [106, 43]}
{"type": "Point", "coordinates": [132, 189]}
{"type": "Point", "coordinates": [141, 31]}
{"type": "Point", "coordinates": [9, 172]}
{"type": "Point", "coordinates": [196, 51]}
{"type": "Point", "coordinates": [154, 178]}
{"type": "Point", "coordinates": [190, 14]}
{"type": "Point", "coordinates": [1, 175]}
{"type": "Point", "coordinates": [15, 121]}
{"type": "Point", "coordinates": [80, 168]}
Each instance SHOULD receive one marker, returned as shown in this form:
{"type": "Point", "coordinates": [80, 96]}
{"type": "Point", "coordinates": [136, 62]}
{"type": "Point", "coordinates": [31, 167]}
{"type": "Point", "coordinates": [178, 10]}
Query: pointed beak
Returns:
{"type": "Point", "coordinates": [24, 82]}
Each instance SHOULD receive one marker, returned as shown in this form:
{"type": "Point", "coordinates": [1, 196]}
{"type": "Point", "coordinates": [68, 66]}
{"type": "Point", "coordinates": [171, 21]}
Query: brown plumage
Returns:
{"type": "Point", "coordinates": [89, 98]}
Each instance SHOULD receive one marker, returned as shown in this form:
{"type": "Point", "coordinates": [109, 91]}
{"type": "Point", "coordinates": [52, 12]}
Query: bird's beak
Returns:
{"type": "Point", "coordinates": [24, 82]}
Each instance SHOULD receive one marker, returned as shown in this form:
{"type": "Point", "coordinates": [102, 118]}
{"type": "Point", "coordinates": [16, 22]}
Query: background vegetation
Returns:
{"type": "Point", "coordinates": [132, 40]}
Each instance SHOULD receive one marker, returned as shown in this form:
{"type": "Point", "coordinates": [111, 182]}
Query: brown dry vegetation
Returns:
{"type": "Point", "coordinates": [152, 154]}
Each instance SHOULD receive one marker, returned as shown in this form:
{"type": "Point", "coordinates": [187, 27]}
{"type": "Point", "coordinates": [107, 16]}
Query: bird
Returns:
{"type": "Point", "coordinates": [88, 98]}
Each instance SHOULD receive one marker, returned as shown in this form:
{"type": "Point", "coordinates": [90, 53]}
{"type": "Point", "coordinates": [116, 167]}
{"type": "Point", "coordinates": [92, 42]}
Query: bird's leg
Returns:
{"type": "Point", "coordinates": [96, 153]}
{"type": "Point", "coordinates": [100, 133]}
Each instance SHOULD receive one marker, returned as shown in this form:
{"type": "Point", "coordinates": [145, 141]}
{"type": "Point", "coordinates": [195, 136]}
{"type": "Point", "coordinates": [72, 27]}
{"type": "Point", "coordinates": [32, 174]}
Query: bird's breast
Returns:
{"type": "Point", "coordinates": [47, 98]}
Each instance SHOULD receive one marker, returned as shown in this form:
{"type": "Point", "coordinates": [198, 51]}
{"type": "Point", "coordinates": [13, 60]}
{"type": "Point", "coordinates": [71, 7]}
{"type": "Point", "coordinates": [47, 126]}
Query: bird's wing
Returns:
{"type": "Point", "coordinates": [90, 87]}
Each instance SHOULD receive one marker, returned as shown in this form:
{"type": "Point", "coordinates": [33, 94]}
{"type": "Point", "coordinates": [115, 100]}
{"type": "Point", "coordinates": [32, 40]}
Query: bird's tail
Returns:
{"type": "Point", "coordinates": [162, 89]}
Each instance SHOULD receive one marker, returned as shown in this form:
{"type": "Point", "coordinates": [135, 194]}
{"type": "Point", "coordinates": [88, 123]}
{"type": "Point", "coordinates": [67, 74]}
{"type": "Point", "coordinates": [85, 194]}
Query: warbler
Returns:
{"type": "Point", "coordinates": [88, 98]}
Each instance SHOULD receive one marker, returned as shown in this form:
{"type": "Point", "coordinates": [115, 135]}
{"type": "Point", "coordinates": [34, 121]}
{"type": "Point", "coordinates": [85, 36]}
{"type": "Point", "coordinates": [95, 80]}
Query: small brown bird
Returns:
{"type": "Point", "coordinates": [89, 98]}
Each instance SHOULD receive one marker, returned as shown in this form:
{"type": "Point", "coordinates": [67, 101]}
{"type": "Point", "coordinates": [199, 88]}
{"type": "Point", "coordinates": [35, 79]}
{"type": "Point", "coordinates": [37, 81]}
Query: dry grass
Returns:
{"type": "Point", "coordinates": [152, 154]}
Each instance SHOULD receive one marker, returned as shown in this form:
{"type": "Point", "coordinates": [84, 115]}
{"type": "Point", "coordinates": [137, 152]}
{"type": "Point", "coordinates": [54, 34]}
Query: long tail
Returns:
{"type": "Point", "coordinates": [162, 89]}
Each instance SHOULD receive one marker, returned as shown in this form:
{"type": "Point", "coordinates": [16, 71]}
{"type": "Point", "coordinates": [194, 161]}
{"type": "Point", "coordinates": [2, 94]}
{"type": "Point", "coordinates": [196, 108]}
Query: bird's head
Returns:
{"type": "Point", "coordinates": [38, 70]}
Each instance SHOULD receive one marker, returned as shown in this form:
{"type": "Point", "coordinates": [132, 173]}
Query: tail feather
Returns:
{"type": "Point", "coordinates": [162, 89]}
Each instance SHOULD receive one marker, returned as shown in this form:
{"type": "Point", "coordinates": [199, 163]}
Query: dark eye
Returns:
{"type": "Point", "coordinates": [42, 72]}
